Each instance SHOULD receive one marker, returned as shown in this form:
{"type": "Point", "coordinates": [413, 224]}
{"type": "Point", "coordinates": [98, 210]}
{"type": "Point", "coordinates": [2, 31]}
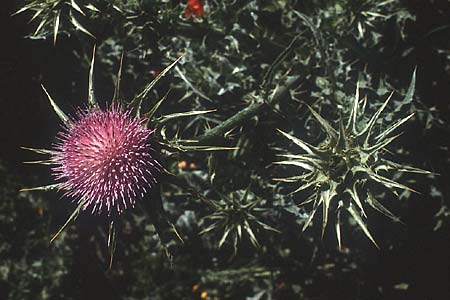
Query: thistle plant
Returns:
{"type": "Point", "coordinates": [341, 170]}
{"type": "Point", "coordinates": [237, 214]}
{"type": "Point", "coordinates": [49, 13]}
{"type": "Point", "coordinates": [104, 158]}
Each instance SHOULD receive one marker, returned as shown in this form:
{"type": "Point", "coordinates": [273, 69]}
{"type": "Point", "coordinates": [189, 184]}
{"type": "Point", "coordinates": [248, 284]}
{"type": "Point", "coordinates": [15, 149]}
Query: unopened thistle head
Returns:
{"type": "Point", "coordinates": [103, 159]}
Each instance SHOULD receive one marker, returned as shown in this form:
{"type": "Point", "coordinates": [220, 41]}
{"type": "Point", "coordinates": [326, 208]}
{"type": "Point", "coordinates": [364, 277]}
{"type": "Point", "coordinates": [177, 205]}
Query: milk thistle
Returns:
{"type": "Point", "coordinates": [104, 160]}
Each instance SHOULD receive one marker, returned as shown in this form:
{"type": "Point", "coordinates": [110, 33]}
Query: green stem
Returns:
{"type": "Point", "coordinates": [247, 113]}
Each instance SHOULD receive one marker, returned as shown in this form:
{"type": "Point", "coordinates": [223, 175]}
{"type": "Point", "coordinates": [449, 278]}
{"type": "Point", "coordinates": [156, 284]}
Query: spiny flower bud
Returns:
{"type": "Point", "coordinates": [103, 158]}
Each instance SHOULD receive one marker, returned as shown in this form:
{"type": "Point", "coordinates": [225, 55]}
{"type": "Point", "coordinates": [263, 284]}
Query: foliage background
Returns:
{"type": "Point", "coordinates": [227, 53]}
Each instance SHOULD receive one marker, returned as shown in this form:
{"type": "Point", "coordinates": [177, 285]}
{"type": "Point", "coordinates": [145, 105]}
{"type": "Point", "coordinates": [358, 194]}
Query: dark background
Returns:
{"type": "Point", "coordinates": [418, 254]}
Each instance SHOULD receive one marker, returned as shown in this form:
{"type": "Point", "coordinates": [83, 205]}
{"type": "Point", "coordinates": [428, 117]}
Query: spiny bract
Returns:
{"type": "Point", "coordinates": [343, 166]}
{"type": "Point", "coordinates": [103, 159]}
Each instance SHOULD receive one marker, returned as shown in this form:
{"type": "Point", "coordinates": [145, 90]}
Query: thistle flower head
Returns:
{"type": "Point", "coordinates": [347, 163]}
{"type": "Point", "coordinates": [103, 159]}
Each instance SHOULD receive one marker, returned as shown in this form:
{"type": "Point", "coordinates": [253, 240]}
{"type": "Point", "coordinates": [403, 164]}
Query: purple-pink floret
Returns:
{"type": "Point", "coordinates": [104, 159]}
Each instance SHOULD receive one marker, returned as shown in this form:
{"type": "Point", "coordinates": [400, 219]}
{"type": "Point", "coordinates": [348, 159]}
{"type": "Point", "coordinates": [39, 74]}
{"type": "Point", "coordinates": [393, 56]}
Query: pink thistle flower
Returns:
{"type": "Point", "coordinates": [103, 159]}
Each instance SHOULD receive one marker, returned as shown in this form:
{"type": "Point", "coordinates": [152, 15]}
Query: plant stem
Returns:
{"type": "Point", "coordinates": [247, 113]}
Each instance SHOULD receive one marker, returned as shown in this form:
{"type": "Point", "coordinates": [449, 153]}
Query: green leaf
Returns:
{"type": "Point", "coordinates": [361, 224]}
{"type": "Point", "coordinates": [55, 107]}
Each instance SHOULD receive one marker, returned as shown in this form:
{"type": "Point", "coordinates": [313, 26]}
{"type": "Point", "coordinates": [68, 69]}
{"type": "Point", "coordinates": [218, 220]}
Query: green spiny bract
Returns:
{"type": "Point", "coordinates": [236, 213]}
{"type": "Point", "coordinates": [340, 171]}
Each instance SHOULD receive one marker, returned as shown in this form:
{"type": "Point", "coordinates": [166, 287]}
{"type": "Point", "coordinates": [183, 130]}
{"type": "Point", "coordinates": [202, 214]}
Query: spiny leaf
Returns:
{"type": "Point", "coordinates": [397, 124]}
{"type": "Point", "coordinates": [116, 95]}
{"type": "Point", "coordinates": [305, 146]}
{"type": "Point", "coordinates": [332, 133]}
{"type": "Point", "coordinates": [70, 219]}
{"type": "Point", "coordinates": [354, 195]}
{"type": "Point", "coordinates": [91, 95]}
{"type": "Point", "coordinates": [165, 118]}
{"type": "Point", "coordinates": [77, 7]}
{"type": "Point", "coordinates": [210, 227]}
{"type": "Point", "coordinates": [251, 234]}
{"type": "Point", "coordinates": [21, 10]}
{"type": "Point", "coordinates": [305, 158]}
{"type": "Point", "coordinates": [365, 133]}
{"type": "Point", "coordinates": [155, 107]}
{"type": "Point", "coordinates": [354, 113]}
{"type": "Point", "coordinates": [300, 164]}
{"type": "Point", "coordinates": [91, 7]}
{"type": "Point", "coordinates": [267, 227]}
{"type": "Point", "coordinates": [389, 183]}
{"type": "Point", "coordinates": [291, 179]}
{"type": "Point", "coordinates": [55, 107]}
{"type": "Point", "coordinates": [56, 27]}
{"type": "Point", "coordinates": [326, 197]}
{"type": "Point", "coordinates": [38, 151]}
{"type": "Point", "coordinates": [389, 165]}
{"type": "Point", "coordinates": [410, 93]}
{"type": "Point", "coordinates": [224, 236]}
{"type": "Point", "coordinates": [191, 86]}
{"type": "Point", "coordinates": [111, 242]}
{"type": "Point", "coordinates": [380, 208]}
{"type": "Point", "coordinates": [375, 148]}
{"type": "Point", "coordinates": [78, 26]}
{"type": "Point", "coordinates": [306, 185]}
{"type": "Point", "coordinates": [361, 224]}
{"type": "Point", "coordinates": [342, 142]}
{"type": "Point", "coordinates": [137, 101]}
{"type": "Point", "coordinates": [338, 224]}
{"type": "Point", "coordinates": [41, 162]}
{"type": "Point", "coordinates": [311, 216]}
{"type": "Point", "coordinates": [40, 26]}
{"type": "Point", "coordinates": [42, 188]}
